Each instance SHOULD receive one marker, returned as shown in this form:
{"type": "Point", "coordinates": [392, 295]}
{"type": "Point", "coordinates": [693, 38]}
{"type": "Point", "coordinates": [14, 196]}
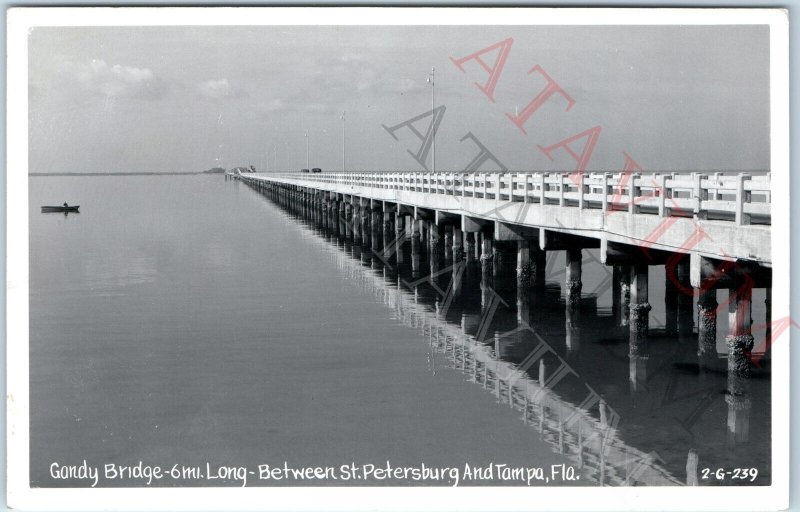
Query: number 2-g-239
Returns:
{"type": "Point", "coordinates": [735, 474]}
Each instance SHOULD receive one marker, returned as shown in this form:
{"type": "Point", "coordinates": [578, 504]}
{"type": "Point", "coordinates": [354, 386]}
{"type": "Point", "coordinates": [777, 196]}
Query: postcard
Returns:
{"type": "Point", "coordinates": [372, 258]}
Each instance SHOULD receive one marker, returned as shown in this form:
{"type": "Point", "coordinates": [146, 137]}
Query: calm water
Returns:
{"type": "Point", "coordinates": [189, 320]}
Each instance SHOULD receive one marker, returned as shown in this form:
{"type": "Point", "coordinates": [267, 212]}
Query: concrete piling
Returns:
{"type": "Point", "coordinates": [573, 276]}
{"type": "Point", "coordinates": [639, 308]}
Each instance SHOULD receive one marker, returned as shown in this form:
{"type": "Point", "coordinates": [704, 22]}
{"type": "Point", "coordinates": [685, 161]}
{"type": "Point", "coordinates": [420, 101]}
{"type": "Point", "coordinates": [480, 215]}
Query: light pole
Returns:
{"type": "Point", "coordinates": [274, 159]}
{"type": "Point", "coordinates": [431, 81]}
{"type": "Point", "coordinates": [307, 167]}
{"type": "Point", "coordinates": [344, 140]}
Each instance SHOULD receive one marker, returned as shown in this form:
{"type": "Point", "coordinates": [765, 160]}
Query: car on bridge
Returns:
{"type": "Point", "coordinates": [303, 170]}
{"type": "Point", "coordinates": [316, 170]}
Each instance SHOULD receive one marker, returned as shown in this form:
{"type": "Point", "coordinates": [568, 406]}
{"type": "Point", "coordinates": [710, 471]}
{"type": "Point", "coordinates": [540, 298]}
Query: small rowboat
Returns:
{"type": "Point", "coordinates": [64, 209]}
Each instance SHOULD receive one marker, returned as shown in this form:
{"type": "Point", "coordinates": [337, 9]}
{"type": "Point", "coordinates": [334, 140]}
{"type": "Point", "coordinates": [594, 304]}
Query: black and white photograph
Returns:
{"type": "Point", "coordinates": [398, 259]}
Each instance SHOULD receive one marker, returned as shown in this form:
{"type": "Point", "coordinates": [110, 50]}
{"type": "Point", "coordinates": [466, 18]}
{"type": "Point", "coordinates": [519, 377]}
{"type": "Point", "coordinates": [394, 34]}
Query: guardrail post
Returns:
{"type": "Point", "coordinates": [742, 197]}
{"type": "Point", "coordinates": [561, 189]}
{"type": "Point", "coordinates": [543, 183]}
{"type": "Point", "coordinates": [768, 192]}
{"type": "Point", "coordinates": [581, 190]}
{"type": "Point", "coordinates": [525, 198]}
{"type": "Point", "coordinates": [604, 199]}
{"type": "Point", "coordinates": [635, 192]}
{"type": "Point", "coordinates": [662, 194]}
{"type": "Point", "coordinates": [700, 195]}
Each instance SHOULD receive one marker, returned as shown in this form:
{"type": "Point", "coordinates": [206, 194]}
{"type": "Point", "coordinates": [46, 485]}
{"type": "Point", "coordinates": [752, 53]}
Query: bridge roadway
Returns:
{"type": "Point", "coordinates": [717, 216]}
{"type": "Point", "coordinates": [711, 232]}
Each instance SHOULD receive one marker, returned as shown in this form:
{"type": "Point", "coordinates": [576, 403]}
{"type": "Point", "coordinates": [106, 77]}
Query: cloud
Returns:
{"type": "Point", "coordinates": [218, 89]}
{"type": "Point", "coordinates": [401, 86]}
{"type": "Point", "coordinates": [276, 105]}
{"type": "Point", "coordinates": [320, 108]}
{"type": "Point", "coordinates": [294, 103]}
{"type": "Point", "coordinates": [331, 82]}
{"type": "Point", "coordinates": [115, 80]}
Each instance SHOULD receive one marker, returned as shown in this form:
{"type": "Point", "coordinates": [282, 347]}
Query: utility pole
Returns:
{"type": "Point", "coordinates": [307, 167]}
{"type": "Point", "coordinates": [344, 140]}
{"type": "Point", "coordinates": [431, 77]}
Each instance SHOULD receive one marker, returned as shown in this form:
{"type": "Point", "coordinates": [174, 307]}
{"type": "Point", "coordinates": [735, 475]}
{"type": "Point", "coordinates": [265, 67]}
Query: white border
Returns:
{"type": "Point", "coordinates": [21, 496]}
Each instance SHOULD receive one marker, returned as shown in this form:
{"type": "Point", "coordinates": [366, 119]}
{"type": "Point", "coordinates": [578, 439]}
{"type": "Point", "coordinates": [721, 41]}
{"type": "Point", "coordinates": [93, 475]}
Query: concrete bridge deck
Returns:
{"type": "Point", "coordinates": [717, 216]}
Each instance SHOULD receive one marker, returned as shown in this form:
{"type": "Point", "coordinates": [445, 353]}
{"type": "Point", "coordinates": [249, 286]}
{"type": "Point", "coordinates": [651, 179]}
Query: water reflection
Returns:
{"type": "Point", "coordinates": [629, 405]}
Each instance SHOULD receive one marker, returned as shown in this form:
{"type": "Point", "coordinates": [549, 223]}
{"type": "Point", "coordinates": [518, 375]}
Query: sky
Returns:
{"type": "Point", "coordinates": [183, 99]}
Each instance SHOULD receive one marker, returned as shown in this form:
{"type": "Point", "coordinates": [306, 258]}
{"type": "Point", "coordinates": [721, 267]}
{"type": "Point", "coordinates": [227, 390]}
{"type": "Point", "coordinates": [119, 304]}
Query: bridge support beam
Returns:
{"type": "Point", "coordinates": [740, 339]}
{"type": "Point", "coordinates": [333, 216]}
{"type": "Point", "coordinates": [458, 244]}
{"type": "Point", "coordinates": [324, 212]}
{"type": "Point", "coordinates": [416, 244]}
{"type": "Point", "coordinates": [707, 328]}
{"type": "Point", "coordinates": [366, 224]}
{"type": "Point", "coordinates": [639, 309]}
{"type": "Point", "coordinates": [524, 266]}
{"type": "Point", "coordinates": [342, 215]}
{"type": "Point", "coordinates": [388, 229]}
{"type": "Point", "coordinates": [487, 255]}
{"type": "Point", "coordinates": [638, 351]}
{"type": "Point", "coordinates": [573, 277]}
{"type": "Point", "coordinates": [436, 244]}
{"type": "Point", "coordinates": [348, 220]}
{"type": "Point", "coordinates": [620, 294]}
{"type": "Point", "coordinates": [685, 316]}
{"type": "Point", "coordinates": [531, 263]}
{"type": "Point", "coordinates": [448, 243]}
{"type": "Point", "coordinates": [497, 258]}
{"type": "Point", "coordinates": [399, 234]}
{"type": "Point", "coordinates": [740, 344]}
{"type": "Point", "coordinates": [471, 248]}
{"type": "Point", "coordinates": [356, 222]}
{"type": "Point", "coordinates": [376, 229]}
{"type": "Point", "coordinates": [670, 305]}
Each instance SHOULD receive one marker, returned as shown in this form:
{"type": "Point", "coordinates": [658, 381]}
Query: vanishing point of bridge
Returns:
{"type": "Point", "coordinates": [709, 231]}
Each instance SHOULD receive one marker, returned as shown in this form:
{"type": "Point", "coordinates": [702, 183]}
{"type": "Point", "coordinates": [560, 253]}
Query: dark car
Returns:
{"type": "Point", "coordinates": [316, 169]}
{"type": "Point", "coordinates": [303, 170]}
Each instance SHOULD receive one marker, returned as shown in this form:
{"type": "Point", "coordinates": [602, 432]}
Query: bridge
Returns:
{"type": "Point", "coordinates": [710, 231]}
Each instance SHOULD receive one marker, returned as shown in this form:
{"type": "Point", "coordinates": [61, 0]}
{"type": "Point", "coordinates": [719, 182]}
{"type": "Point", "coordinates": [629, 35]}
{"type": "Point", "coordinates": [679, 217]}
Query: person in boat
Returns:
{"type": "Point", "coordinates": [66, 205]}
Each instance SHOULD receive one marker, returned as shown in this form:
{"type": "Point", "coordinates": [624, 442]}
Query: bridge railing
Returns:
{"type": "Point", "coordinates": [741, 198]}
